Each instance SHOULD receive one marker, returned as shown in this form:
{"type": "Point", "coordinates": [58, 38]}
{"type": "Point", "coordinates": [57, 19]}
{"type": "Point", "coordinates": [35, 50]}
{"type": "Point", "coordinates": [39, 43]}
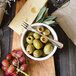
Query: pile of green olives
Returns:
{"type": "Point", "coordinates": [37, 45]}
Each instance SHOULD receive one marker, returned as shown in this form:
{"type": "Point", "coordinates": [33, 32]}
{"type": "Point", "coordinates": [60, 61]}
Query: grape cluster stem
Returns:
{"type": "Point", "coordinates": [22, 72]}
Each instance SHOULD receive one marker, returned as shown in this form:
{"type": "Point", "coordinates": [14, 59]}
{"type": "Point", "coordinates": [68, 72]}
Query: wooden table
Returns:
{"type": "Point", "coordinates": [65, 63]}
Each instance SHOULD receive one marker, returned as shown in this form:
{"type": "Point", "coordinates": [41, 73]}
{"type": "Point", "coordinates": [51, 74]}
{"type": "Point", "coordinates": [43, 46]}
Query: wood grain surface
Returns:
{"type": "Point", "coordinates": [2, 12]}
{"type": "Point", "coordinates": [36, 68]}
{"type": "Point", "coordinates": [65, 59]}
{"type": "Point", "coordinates": [1, 73]}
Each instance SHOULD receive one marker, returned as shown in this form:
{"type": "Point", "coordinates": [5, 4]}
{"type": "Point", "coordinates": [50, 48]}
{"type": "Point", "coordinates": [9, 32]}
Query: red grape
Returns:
{"type": "Point", "coordinates": [10, 69]}
{"type": "Point", "coordinates": [19, 53]}
{"type": "Point", "coordinates": [6, 74]}
{"type": "Point", "coordinates": [22, 59]}
{"type": "Point", "coordinates": [9, 56]}
{"type": "Point", "coordinates": [4, 68]}
{"type": "Point", "coordinates": [14, 53]}
{"type": "Point", "coordinates": [5, 63]}
{"type": "Point", "coordinates": [14, 74]}
{"type": "Point", "coordinates": [23, 67]}
{"type": "Point", "coordinates": [15, 62]}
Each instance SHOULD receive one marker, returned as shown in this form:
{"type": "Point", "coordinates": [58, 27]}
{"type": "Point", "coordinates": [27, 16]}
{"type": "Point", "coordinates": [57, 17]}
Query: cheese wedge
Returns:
{"type": "Point", "coordinates": [28, 13]}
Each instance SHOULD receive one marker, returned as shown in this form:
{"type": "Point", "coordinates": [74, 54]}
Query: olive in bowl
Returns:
{"type": "Point", "coordinates": [40, 52]}
{"type": "Point", "coordinates": [46, 32]}
{"type": "Point", "coordinates": [29, 39]}
{"type": "Point", "coordinates": [29, 33]}
{"type": "Point", "coordinates": [48, 48]}
{"type": "Point", "coordinates": [37, 44]}
{"type": "Point", "coordinates": [40, 28]}
{"type": "Point", "coordinates": [37, 53]}
{"type": "Point", "coordinates": [30, 48]}
{"type": "Point", "coordinates": [43, 39]}
{"type": "Point", "coordinates": [36, 36]}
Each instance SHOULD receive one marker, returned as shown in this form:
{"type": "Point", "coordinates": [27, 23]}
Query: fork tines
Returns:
{"type": "Point", "coordinates": [25, 25]}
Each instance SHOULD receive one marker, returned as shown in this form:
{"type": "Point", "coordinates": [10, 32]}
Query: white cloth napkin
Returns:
{"type": "Point", "coordinates": [67, 19]}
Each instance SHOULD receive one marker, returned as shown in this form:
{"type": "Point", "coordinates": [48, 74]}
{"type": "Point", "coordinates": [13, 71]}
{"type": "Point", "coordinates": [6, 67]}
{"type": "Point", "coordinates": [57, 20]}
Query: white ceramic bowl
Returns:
{"type": "Point", "coordinates": [53, 34]}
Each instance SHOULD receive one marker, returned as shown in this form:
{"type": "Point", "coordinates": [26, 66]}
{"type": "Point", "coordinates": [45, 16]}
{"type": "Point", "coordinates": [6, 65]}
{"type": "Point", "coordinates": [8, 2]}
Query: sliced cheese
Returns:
{"type": "Point", "coordinates": [28, 13]}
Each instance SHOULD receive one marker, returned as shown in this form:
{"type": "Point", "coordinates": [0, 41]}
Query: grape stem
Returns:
{"type": "Point", "coordinates": [22, 72]}
{"type": "Point", "coordinates": [18, 63]}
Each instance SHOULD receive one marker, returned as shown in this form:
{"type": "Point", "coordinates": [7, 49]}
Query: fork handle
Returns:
{"type": "Point", "coordinates": [55, 42]}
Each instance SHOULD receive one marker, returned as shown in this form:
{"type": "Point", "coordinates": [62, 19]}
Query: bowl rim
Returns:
{"type": "Point", "coordinates": [54, 36]}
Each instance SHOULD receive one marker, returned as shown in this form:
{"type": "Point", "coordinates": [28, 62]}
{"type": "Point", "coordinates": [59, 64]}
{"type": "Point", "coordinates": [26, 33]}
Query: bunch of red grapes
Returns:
{"type": "Point", "coordinates": [14, 63]}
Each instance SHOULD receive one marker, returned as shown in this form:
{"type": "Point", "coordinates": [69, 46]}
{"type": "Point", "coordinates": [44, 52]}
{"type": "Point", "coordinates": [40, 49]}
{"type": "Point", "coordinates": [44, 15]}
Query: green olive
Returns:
{"type": "Point", "coordinates": [43, 39]}
{"type": "Point", "coordinates": [36, 36]}
{"type": "Point", "coordinates": [48, 48]}
{"type": "Point", "coordinates": [30, 33]}
{"type": "Point", "coordinates": [30, 48]}
{"type": "Point", "coordinates": [43, 54]}
{"type": "Point", "coordinates": [40, 28]}
{"type": "Point", "coordinates": [46, 32]}
{"type": "Point", "coordinates": [37, 53]}
{"type": "Point", "coordinates": [50, 36]}
{"type": "Point", "coordinates": [29, 39]}
{"type": "Point", "coordinates": [26, 45]}
{"type": "Point", "coordinates": [37, 44]}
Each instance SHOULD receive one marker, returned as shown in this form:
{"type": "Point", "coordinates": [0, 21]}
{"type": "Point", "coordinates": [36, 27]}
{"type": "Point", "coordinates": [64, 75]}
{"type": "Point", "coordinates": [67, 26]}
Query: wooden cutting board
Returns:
{"type": "Point", "coordinates": [36, 68]}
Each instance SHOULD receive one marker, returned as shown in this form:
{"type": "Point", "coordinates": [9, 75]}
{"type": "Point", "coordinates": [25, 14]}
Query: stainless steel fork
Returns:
{"type": "Point", "coordinates": [54, 42]}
